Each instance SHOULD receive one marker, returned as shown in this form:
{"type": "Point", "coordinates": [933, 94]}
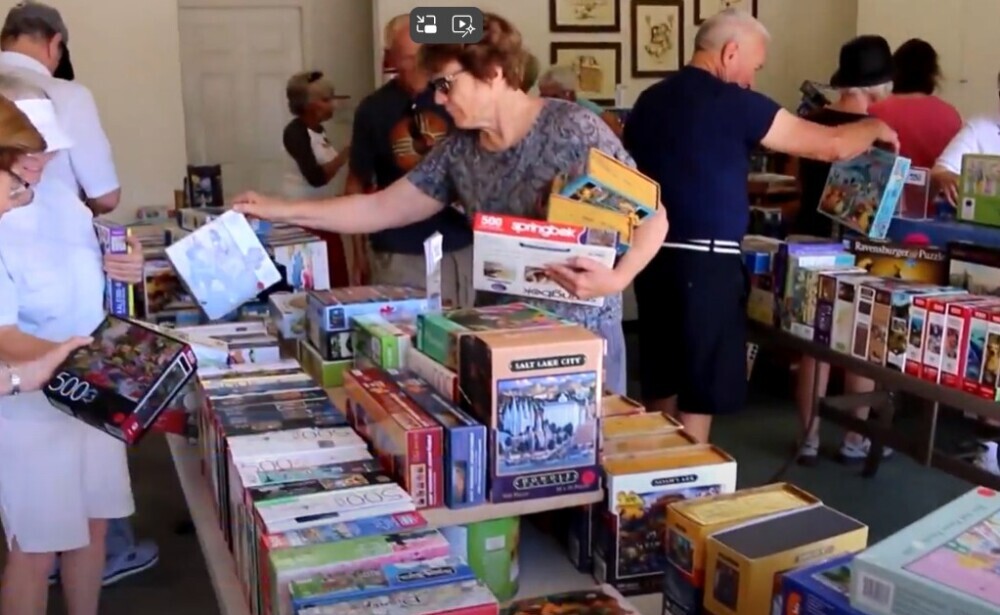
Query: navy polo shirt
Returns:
{"type": "Point", "coordinates": [693, 133]}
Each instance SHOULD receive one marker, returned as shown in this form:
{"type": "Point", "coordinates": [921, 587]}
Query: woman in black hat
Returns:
{"type": "Point", "coordinates": [863, 77]}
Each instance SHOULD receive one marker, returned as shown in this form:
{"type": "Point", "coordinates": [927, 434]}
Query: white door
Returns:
{"type": "Point", "coordinates": [235, 63]}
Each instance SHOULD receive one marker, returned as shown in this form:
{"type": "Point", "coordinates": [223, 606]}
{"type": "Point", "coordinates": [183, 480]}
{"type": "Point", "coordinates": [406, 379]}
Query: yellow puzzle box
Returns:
{"type": "Point", "coordinates": [606, 182]}
{"type": "Point", "coordinates": [745, 564]}
{"type": "Point", "coordinates": [564, 210]}
{"type": "Point", "coordinates": [691, 522]}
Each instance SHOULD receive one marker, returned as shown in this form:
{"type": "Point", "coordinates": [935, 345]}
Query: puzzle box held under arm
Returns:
{"type": "Point", "coordinates": [607, 182]}
{"type": "Point", "coordinates": [511, 255]}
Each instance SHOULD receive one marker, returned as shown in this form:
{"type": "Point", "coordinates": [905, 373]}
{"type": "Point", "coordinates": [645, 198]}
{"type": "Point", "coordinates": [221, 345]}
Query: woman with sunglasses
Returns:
{"type": "Point", "coordinates": [508, 149]}
{"type": "Point", "coordinates": [61, 480]}
{"type": "Point", "coordinates": [315, 163]}
{"type": "Point", "coordinates": [19, 138]}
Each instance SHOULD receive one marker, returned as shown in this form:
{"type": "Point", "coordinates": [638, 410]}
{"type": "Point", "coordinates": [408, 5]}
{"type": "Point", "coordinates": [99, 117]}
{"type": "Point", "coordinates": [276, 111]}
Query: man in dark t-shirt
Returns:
{"type": "Point", "coordinates": [693, 133]}
{"type": "Point", "coordinates": [394, 128]}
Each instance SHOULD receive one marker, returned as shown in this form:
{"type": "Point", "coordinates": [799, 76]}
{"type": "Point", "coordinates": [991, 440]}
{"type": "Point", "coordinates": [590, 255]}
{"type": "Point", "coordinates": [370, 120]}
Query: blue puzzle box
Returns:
{"type": "Point", "coordinates": [822, 589]}
{"type": "Point", "coordinates": [119, 297]}
{"type": "Point", "coordinates": [464, 443]}
{"type": "Point", "coordinates": [333, 588]}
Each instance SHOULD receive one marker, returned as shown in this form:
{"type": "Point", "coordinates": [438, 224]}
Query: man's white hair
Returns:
{"type": "Point", "coordinates": [875, 92]}
{"type": "Point", "coordinates": [563, 77]}
{"type": "Point", "coordinates": [727, 26]}
{"type": "Point", "coordinates": [394, 28]}
{"type": "Point", "coordinates": [14, 88]}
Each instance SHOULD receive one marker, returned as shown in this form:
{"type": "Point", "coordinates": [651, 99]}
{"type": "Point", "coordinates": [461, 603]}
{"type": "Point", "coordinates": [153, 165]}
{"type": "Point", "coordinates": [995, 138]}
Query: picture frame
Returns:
{"type": "Point", "coordinates": [584, 16]}
{"type": "Point", "coordinates": [657, 37]}
{"type": "Point", "coordinates": [596, 81]}
{"type": "Point", "coordinates": [703, 9]}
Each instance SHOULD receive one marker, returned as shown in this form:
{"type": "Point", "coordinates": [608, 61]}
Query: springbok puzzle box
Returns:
{"type": "Point", "coordinates": [539, 393]}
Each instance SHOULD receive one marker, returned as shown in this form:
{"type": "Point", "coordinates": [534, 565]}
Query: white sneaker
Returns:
{"type": "Point", "coordinates": [853, 453]}
{"type": "Point", "coordinates": [988, 458]}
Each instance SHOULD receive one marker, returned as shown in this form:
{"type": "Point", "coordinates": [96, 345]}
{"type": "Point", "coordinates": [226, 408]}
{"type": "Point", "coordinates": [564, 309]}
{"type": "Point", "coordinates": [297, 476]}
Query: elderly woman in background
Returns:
{"type": "Point", "coordinates": [508, 149]}
{"type": "Point", "coordinates": [315, 162]}
{"type": "Point", "coordinates": [61, 479]}
{"type": "Point", "coordinates": [19, 138]}
{"type": "Point", "coordinates": [560, 82]}
{"type": "Point", "coordinates": [925, 123]}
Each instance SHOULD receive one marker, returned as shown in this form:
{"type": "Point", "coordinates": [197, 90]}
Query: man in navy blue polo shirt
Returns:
{"type": "Point", "coordinates": [694, 133]}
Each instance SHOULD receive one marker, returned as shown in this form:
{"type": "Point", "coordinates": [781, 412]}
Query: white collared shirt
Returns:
{"type": "Point", "coordinates": [980, 135]}
{"type": "Point", "coordinates": [89, 164]}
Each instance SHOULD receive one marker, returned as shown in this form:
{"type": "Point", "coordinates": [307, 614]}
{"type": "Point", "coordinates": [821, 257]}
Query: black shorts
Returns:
{"type": "Point", "coordinates": [692, 330]}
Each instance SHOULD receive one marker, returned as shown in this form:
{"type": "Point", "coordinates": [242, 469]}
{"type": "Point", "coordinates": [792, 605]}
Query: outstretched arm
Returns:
{"type": "Point", "coordinates": [400, 204]}
{"type": "Point", "coordinates": [793, 135]}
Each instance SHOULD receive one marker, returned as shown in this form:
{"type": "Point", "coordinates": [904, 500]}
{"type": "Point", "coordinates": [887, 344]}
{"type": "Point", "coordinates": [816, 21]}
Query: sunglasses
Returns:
{"type": "Point", "coordinates": [442, 85]}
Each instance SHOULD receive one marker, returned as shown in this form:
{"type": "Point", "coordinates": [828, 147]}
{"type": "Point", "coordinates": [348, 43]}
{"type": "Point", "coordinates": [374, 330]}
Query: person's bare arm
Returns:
{"type": "Point", "coordinates": [793, 135]}
{"type": "Point", "coordinates": [946, 181]}
{"type": "Point", "coordinates": [400, 204]}
{"type": "Point", "coordinates": [105, 203]}
{"type": "Point", "coordinates": [333, 167]}
{"type": "Point", "coordinates": [36, 373]}
{"type": "Point", "coordinates": [18, 347]}
{"type": "Point", "coordinates": [646, 242]}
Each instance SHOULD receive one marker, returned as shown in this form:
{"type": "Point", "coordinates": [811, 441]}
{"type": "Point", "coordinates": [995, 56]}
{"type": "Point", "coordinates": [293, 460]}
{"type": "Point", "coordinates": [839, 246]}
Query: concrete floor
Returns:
{"type": "Point", "coordinates": [760, 439]}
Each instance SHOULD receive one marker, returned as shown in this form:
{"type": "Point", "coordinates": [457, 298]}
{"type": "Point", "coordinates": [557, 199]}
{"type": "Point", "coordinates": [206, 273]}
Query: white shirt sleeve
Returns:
{"type": "Point", "coordinates": [8, 297]}
{"type": "Point", "coordinates": [91, 157]}
{"type": "Point", "coordinates": [967, 141]}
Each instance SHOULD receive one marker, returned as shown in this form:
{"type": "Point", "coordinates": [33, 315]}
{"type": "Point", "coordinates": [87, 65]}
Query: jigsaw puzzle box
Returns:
{"type": "Point", "coordinates": [564, 210]}
{"type": "Point", "coordinates": [979, 190]}
{"type": "Point", "coordinates": [606, 182]}
{"type": "Point", "coordinates": [119, 297]}
{"type": "Point", "coordinates": [821, 589]}
{"type": "Point", "coordinates": [539, 392]}
{"type": "Point", "coordinates": [691, 522]}
{"type": "Point", "coordinates": [861, 194]}
{"type": "Point", "coordinates": [631, 551]}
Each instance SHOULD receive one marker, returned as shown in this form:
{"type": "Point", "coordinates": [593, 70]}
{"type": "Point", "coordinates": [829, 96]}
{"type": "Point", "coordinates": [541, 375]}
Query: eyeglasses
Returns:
{"type": "Point", "coordinates": [443, 84]}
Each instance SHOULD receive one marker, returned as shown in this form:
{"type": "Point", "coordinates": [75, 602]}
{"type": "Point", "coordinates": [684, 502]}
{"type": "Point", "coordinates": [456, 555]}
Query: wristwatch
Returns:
{"type": "Point", "coordinates": [14, 378]}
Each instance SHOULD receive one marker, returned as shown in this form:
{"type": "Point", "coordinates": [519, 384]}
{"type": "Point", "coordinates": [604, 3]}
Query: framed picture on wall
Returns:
{"type": "Point", "coordinates": [585, 16]}
{"type": "Point", "coordinates": [657, 37]}
{"type": "Point", "coordinates": [597, 67]}
{"type": "Point", "coordinates": [703, 9]}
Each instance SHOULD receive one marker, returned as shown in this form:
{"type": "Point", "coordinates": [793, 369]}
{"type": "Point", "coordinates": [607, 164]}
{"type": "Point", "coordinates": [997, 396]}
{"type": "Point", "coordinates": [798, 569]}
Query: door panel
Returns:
{"type": "Point", "coordinates": [234, 65]}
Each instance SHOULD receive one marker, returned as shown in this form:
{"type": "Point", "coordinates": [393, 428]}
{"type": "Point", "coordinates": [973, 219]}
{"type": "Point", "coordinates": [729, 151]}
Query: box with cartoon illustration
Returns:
{"type": "Point", "coordinates": [745, 564]}
{"type": "Point", "coordinates": [979, 190]}
{"type": "Point", "coordinates": [564, 210]}
{"type": "Point", "coordinates": [631, 552]}
{"type": "Point", "coordinates": [305, 261]}
{"type": "Point", "coordinates": [947, 562]}
{"type": "Point", "coordinates": [607, 182]}
{"type": "Point", "coordinates": [821, 589]}
{"type": "Point", "coordinates": [861, 194]}
{"type": "Point", "coordinates": [539, 392]}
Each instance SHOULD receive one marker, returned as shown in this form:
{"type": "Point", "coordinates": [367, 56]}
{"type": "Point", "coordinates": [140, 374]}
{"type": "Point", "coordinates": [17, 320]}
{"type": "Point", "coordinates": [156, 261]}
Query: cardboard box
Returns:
{"type": "Point", "coordinates": [511, 255]}
{"type": "Point", "coordinates": [119, 297]}
{"type": "Point", "coordinates": [691, 522]}
{"type": "Point", "coordinates": [945, 563]}
{"type": "Point", "coordinates": [936, 345]}
{"type": "Point", "coordinates": [613, 405]}
{"type": "Point", "coordinates": [329, 374]}
{"type": "Point", "coordinates": [465, 441]}
{"type": "Point", "coordinates": [916, 201]}
{"type": "Point", "coordinates": [827, 310]}
{"type": "Point", "coordinates": [861, 194]}
{"type": "Point", "coordinates": [307, 266]}
{"type": "Point", "coordinates": [438, 335]}
{"type": "Point", "coordinates": [975, 268]}
{"type": "Point", "coordinates": [248, 342]}
{"type": "Point", "coordinates": [822, 589]}
{"type": "Point", "coordinates": [758, 253]}
{"type": "Point", "coordinates": [979, 190]}
{"type": "Point", "coordinates": [799, 316]}
{"type": "Point", "coordinates": [538, 391]}
{"type": "Point", "coordinates": [288, 313]}
{"type": "Point", "coordinates": [896, 302]}
{"type": "Point", "coordinates": [381, 342]}
{"type": "Point", "coordinates": [982, 357]}
{"type": "Point", "coordinates": [334, 310]}
{"type": "Point", "coordinates": [956, 341]}
{"type": "Point", "coordinates": [632, 426]}
{"type": "Point", "coordinates": [745, 564]}
{"type": "Point", "coordinates": [600, 600]}
{"type": "Point", "coordinates": [408, 442]}
{"type": "Point", "coordinates": [653, 443]}
{"type": "Point", "coordinates": [762, 302]}
{"type": "Point", "coordinates": [631, 553]}
{"type": "Point", "coordinates": [470, 597]}
{"type": "Point", "coordinates": [123, 380]}
{"type": "Point", "coordinates": [925, 264]}
{"type": "Point", "coordinates": [564, 210]}
{"type": "Point", "coordinates": [821, 251]}
{"type": "Point", "coordinates": [607, 182]}
{"type": "Point", "coordinates": [444, 380]}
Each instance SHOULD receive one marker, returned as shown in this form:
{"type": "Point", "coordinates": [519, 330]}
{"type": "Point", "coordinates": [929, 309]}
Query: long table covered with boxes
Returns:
{"type": "Point", "coordinates": [921, 322]}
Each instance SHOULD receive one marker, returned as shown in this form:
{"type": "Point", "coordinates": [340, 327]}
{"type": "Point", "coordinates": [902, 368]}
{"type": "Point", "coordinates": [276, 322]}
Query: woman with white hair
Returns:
{"type": "Point", "coordinates": [560, 82]}
{"type": "Point", "coordinates": [60, 479]}
{"type": "Point", "coordinates": [863, 78]}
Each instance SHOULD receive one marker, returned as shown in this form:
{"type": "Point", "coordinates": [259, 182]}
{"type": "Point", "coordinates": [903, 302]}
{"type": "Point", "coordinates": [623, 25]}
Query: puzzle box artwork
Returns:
{"type": "Point", "coordinates": [861, 194]}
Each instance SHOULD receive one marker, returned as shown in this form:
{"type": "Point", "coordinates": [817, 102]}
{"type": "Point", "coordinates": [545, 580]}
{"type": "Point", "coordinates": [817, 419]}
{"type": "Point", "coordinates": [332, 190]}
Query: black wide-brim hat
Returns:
{"type": "Point", "coordinates": [864, 62]}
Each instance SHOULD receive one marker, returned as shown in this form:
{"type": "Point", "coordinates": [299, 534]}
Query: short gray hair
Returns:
{"type": "Point", "coordinates": [726, 26]}
{"type": "Point", "coordinates": [14, 88]}
{"type": "Point", "coordinates": [876, 92]}
{"type": "Point", "coordinates": [394, 27]}
{"type": "Point", "coordinates": [562, 76]}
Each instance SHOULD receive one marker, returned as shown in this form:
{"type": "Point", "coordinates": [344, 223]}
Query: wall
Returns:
{"type": "Point", "coordinates": [127, 53]}
{"type": "Point", "coordinates": [806, 37]}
